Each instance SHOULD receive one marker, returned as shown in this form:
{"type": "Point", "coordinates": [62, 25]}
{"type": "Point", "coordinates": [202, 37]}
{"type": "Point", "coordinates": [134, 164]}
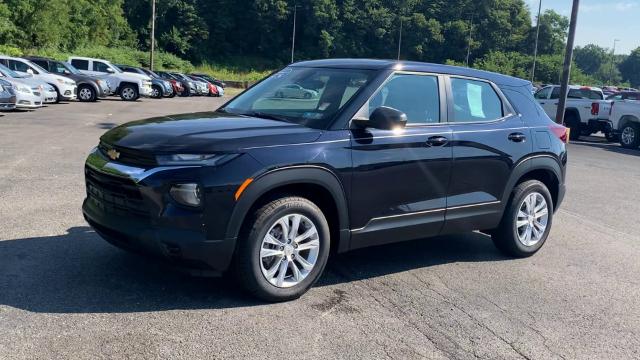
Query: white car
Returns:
{"type": "Point", "coordinates": [295, 91]}
{"type": "Point", "coordinates": [65, 88]}
{"type": "Point", "coordinates": [29, 92]}
{"type": "Point", "coordinates": [128, 86]}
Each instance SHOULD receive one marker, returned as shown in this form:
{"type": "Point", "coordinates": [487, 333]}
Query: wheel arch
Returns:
{"type": "Point", "coordinates": [544, 168]}
{"type": "Point", "coordinates": [624, 119]}
{"type": "Point", "coordinates": [318, 184]}
{"type": "Point", "coordinates": [573, 111]}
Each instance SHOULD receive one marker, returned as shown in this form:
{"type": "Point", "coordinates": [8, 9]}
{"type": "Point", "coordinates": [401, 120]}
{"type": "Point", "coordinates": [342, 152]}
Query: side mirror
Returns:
{"type": "Point", "coordinates": [110, 70]}
{"type": "Point", "coordinates": [383, 118]}
{"type": "Point", "coordinates": [29, 71]}
{"type": "Point", "coordinates": [66, 72]}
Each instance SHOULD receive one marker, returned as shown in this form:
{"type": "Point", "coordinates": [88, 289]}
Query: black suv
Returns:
{"type": "Point", "coordinates": [378, 152]}
{"type": "Point", "coordinates": [89, 88]}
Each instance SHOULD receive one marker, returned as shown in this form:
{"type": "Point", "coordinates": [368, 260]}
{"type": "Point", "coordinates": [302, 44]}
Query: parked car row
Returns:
{"type": "Point", "coordinates": [30, 82]}
{"type": "Point", "coordinates": [588, 112]}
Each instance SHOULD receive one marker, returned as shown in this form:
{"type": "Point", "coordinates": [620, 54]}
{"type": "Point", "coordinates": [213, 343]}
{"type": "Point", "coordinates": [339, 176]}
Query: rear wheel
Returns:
{"type": "Point", "coordinates": [527, 220]}
{"type": "Point", "coordinates": [573, 123]}
{"type": "Point", "coordinates": [86, 93]}
{"type": "Point", "coordinates": [58, 96]}
{"type": "Point", "coordinates": [283, 250]}
{"type": "Point", "coordinates": [630, 136]}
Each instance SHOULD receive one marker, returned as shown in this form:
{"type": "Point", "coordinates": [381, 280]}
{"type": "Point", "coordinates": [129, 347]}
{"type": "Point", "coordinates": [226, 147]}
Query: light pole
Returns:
{"type": "Point", "coordinates": [153, 31]}
{"type": "Point", "coordinates": [566, 69]}
{"type": "Point", "coordinates": [466, 61]}
{"type": "Point", "coordinates": [400, 37]}
{"type": "Point", "coordinates": [535, 50]}
{"type": "Point", "coordinates": [293, 37]}
{"type": "Point", "coordinates": [613, 60]}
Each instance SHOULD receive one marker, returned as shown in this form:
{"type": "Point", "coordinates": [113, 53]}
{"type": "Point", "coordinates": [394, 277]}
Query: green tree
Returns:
{"type": "Point", "coordinates": [590, 58]}
{"type": "Point", "coordinates": [630, 68]}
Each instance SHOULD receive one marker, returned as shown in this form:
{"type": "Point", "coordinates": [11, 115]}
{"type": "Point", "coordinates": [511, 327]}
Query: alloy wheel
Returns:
{"type": "Point", "coordinates": [628, 135]}
{"type": "Point", "coordinates": [155, 93]}
{"type": "Point", "coordinates": [128, 93]}
{"type": "Point", "coordinates": [532, 219]}
{"type": "Point", "coordinates": [289, 251]}
{"type": "Point", "coordinates": [85, 94]}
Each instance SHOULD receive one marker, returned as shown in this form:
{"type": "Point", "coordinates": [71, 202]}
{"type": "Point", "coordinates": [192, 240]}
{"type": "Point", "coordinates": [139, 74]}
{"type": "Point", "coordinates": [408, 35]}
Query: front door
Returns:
{"type": "Point", "coordinates": [400, 176]}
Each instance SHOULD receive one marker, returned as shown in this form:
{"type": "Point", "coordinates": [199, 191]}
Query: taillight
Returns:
{"type": "Point", "coordinates": [561, 132]}
{"type": "Point", "coordinates": [595, 108]}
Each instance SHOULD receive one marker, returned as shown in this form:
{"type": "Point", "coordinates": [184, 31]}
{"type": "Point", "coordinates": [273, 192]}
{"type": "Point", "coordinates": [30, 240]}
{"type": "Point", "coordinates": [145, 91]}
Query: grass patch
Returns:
{"type": "Point", "coordinates": [232, 74]}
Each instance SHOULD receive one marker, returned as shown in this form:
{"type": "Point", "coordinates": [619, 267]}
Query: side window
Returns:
{"type": "Point", "coordinates": [42, 63]}
{"type": "Point", "coordinates": [555, 94]}
{"type": "Point", "coordinates": [543, 94]}
{"type": "Point", "coordinates": [20, 66]}
{"type": "Point", "coordinates": [80, 64]}
{"type": "Point", "coordinates": [100, 66]}
{"type": "Point", "coordinates": [474, 101]}
{"type": "Point", "coordinates": [415, 95]}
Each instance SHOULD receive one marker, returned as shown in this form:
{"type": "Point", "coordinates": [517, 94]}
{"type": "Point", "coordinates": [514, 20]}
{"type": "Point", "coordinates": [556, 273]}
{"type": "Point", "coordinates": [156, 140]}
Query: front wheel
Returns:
{"type": "Point", "coordinates": [526, 221]}
{"type": "Point", "coordinates": [283, 250]}
{"type": "Point", "coordinates": [630, 136]}
{"type": "Point", "coordinates": [86, 93]}
{"type": "Point", "coordinates": [129, 93]}
{"type": "Point", "coordinates": [156, 92]}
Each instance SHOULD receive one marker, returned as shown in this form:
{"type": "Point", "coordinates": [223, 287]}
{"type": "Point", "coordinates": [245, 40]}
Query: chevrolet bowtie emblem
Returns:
{"type": "Point", "coordinates": [113, 154]}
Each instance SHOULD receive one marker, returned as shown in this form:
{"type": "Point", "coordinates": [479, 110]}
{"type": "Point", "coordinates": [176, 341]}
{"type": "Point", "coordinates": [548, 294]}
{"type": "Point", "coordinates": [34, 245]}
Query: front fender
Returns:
{"type": "Point", "coordinates": [304, 174]}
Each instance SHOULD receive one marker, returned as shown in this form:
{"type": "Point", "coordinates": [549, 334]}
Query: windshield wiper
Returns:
{"type": "Point", "coordinates": [263, 115]}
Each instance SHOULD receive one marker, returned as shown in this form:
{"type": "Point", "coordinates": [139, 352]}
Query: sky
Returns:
{"type": "Point", "coordinates": [600, 21]}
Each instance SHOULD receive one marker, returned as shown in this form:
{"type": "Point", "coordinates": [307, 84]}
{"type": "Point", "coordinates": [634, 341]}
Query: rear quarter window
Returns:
{"type": "Point", "coordinates": [80, 64]}
{"type": "Point", "coordinates": [523, 102]}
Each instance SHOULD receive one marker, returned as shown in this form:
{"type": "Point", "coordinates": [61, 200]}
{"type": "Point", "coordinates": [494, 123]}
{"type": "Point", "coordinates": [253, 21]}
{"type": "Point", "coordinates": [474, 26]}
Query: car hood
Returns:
{"type": "Point", "coordinates": [136, 76]}
{"type": "Point", "coordinates": [206, 132]}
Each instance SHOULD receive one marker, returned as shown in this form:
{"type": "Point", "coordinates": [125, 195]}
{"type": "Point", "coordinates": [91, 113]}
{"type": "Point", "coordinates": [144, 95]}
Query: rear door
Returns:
{"type": "Point", "coordinates": [488, 141]}
{"type": "Point", "coordinates": [400, 176]}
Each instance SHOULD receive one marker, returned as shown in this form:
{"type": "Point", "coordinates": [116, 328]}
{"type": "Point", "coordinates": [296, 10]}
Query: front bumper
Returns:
{"type": "Point", "coordinates": [129, 207]}
{"type": "Point", "coordinates": [50, 97]}
{"type": "Point", "coordinates": [68, 92]}
{"type": "Point", "coordinates": [145, 89]}
{"type": "Point", "coordinates": [28, 101]}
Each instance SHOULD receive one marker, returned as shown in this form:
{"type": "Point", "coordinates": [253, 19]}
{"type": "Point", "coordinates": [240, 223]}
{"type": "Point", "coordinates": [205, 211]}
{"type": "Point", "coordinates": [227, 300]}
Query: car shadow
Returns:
{"type": "Point", "coordinates": [78, 272]}
{"type": "Point", "coordinates": [106, 125]}
{"type": "Point", "coordinates": [606, 146]}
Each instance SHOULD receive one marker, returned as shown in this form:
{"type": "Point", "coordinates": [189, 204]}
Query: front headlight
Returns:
{"type": "Point", "coordinates": [22, 89]}
{"type": "Point", "coordinates": [194, 159]}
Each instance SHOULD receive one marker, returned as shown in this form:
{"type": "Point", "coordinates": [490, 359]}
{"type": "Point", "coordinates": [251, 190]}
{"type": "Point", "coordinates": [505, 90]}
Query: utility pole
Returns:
{"type": "Point", "coordinates": [535, 50]}
{"type": "Point", "coordinates": [293, 38]}
{"type": "Point", "coordinates": [466, 61]}
{"type": "Point", "coordinates": [153, 33]}
{"type": "Point", "coordinates": [566, 69]}
{"type": "Point", "coordinates": [400, 38]}
{"type": "Point", "coordinates": [613, 61]}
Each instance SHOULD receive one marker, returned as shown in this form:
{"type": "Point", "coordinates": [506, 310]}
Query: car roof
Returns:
{"type": "Point", "coordinates": [377, 64]}
{"type": "Point", "coordinates": [88, 58]}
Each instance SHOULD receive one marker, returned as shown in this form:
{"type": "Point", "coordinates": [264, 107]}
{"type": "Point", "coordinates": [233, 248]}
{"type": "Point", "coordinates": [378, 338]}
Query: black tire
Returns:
{"type": "Point", "coordinates": [505, 237]}
{"type": "Point", "coordinates": [127, 90]}
{"type": "Point", "coordinates": [58, 96]}
{"type": "Point", "coordinates": [611, 137]}
{"type": "Point", "coordinates": [247, 261]}
{"type": "Point", "coordinates": [632, 142]}
{"type": "Point", "coordinates": [573, 123]}
{"type": "Point", "coordinates": [173, 94]}
{"type": "Point", "coordinates": [90, 92]}
{"type": "Point", "coordinates": [159, 92]}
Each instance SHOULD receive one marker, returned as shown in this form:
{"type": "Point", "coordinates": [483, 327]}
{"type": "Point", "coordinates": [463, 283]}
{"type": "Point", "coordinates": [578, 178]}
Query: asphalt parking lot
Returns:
{"type": "Point", "coordinates": [65, 293]}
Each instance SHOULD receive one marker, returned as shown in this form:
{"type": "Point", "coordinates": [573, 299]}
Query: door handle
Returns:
{"type": "Point", "coordinates": [437, 141]}
{"type": "Point", "coordinates": [517, 137]}
{"type": "Point", "coordinates": [542, 103]}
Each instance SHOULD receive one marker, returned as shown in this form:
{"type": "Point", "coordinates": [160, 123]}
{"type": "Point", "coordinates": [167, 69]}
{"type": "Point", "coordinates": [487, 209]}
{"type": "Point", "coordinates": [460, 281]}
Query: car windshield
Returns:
{"type": "Point", "coordinates": [10, 73]}
{"type": "Point", "coordinates": [38, 67]}
{"type": "Point", "coordinates": [306, 96]}
{"type": "Point", "coordinates": [72, 69]}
